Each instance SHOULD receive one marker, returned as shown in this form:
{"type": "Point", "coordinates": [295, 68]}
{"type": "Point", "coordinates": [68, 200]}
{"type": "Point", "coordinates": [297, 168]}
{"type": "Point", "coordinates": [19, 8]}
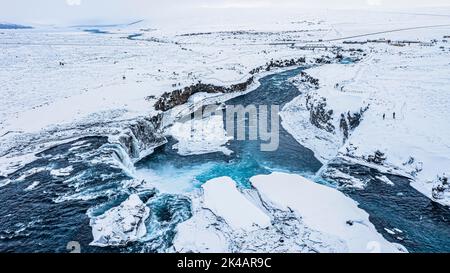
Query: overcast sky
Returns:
{"type": "Point", "coordinates": [79, 11]}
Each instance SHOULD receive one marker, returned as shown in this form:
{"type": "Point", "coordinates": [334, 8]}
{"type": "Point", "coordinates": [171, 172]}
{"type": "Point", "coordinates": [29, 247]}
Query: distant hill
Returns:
{"type": "Point", "coordinates": [13, 26]}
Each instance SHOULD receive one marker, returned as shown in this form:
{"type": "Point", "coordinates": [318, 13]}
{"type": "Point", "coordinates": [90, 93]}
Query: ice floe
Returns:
{"type": "Point", "coordinates": [223, 198]}
{"type": "Point", "coordinates": [323, 209]}
{"type": "Point", "coordinates": [293, 214]}
{"type": "Point", "coordinates": [120, 225]}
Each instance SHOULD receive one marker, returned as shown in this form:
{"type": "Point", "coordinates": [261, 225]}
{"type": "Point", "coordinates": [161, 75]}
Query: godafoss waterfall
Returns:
{"type": "Point", "coordinates": [75, 193]}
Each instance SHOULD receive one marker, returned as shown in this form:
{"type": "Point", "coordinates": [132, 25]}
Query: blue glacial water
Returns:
{"type": "Point", "coordinates": [418, 223]}
{"type": "Point", "coordinates": [54, 212]}
{"type": "Point", "coordinates": [247, 159]}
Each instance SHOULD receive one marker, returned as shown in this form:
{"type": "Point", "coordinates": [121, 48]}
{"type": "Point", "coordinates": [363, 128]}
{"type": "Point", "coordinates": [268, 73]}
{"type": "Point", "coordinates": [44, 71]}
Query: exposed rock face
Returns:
{"type": "Point", "coordinates": [320, 116]}
{"type": "Point", "coordinates": [181, 96]}
{"type": "Point", "coordinates": [354, 119]}
{"type": "Point", "coordinates": [351, 121]}
{"type": "Point", "coordinates": [306, 78]}
{"type": "Point", "coordinates": [141, 136]}
{"type": "Point", "coordinates": [306, 81]}
{"type": "Point", "coordinates": [278, 64]}
{"type": "Point", "coordinates": [171, 99]}
{"type": "Point", "coordinates": [378, 158]}
{"type": "Point", "coordinates": [344, 127]}
{"type": "Point", "coordinates": [121, 225]}
{"type": "Point", "coordinates": [441, 188]}
{"type": "Point", "coordinates": [323, 60]}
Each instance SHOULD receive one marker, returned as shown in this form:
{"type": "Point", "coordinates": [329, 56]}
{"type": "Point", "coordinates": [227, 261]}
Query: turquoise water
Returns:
{"type": "Point", "coordinates": [424, 225]}
{"type": "Point", "coordinates": [247, 159]}
{"type": "Point", "coordinates": [31, 220]}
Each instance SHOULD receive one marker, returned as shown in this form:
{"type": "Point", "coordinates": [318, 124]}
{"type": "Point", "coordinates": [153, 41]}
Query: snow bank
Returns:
{"type": "Point", "coordinates": [200, 136]}
{"type": "Point", "coordinates": [120, 225]}
{"type": "Point", "coordinates": [296, 120]}
{"type": "Point", "coordinates": [283, 214]}
{"type": "Point", "coordinates": [223, 198]}
{"type": "Point", "coordinates": [201, 234]}
{"type": "Point", "coordinates": [323, 209]}
{"type": "Point", "coordinates": [410, 81]}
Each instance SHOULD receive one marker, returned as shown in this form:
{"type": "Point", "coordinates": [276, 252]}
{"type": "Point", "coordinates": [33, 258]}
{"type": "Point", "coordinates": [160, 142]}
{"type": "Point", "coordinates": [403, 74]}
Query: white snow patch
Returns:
{"type": "Point", "coordinates": [32, 186]}
{"type": "Point", "coordinates": [62, 172]}
{"type": "Point", "coordinates": [223, 198]}
{"type": "Point", "coordinates": [323, 209]}
{"type": "Point", "coordinates": [121, 225]}
{"type": "Point", "coordinates": [200, 136]}
{"type": "Point", "coordinates": [200, 235]}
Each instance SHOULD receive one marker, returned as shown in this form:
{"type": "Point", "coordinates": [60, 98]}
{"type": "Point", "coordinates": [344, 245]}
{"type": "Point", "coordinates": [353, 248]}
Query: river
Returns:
{"type": "Point", "coordinates": [42, 210]}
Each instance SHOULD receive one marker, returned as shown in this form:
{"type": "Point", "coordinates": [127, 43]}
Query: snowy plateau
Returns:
{"type": "Point", "coordinates": [83, 107]}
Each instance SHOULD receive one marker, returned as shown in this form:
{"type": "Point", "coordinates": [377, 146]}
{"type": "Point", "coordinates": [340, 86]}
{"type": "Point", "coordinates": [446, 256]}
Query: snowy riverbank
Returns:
{"type": "Point", "coordinates": [401, 95]}
{"type": "Point", "coordinates": [375, 94]}
{"type": "Point", "coordinates": [291, 213]}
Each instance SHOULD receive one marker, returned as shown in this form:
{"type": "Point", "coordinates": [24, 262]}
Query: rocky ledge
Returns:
{"type": "Point", "coordinates": [181, 96]}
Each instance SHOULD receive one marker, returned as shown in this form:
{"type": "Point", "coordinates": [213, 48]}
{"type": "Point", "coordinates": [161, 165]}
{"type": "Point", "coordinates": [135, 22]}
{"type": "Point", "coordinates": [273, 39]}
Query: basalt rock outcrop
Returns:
{"type": "Point", "coordinates": [141, 136]}
{"type": "Point", "coordinates": [351, 121]}
{"type": "Point", "coordinates": [441, 187]}
{"type": "Point", "coordinates": [181, 96]}
{"type": "Point", "coordinates": [377, 158]}
{"type": "Point", "coordinates": [320, 116]}
{"type": "Point", "coordinates": [307, 79]}
{"type": "Point", "coordinates": [278, 64]}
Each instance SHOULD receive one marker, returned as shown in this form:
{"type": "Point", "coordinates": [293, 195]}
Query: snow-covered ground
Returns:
{"type": "Point", "coordinates": [74, 83]}
{"type": "Point", "coordinates": [200, 136]}
{"type": "Point", "coordinates": [235, 209]}
{"type": "Point", "coordinates": [60, 83]}
{"type": "Point", "coordinates": [412, 82]}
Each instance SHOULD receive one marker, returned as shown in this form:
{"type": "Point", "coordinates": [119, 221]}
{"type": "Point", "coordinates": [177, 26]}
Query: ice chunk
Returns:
{"type": "Point", "coordinates": [223, 198]}
{"type": "Point", "coordinates": [323, 209]}
{"type": "Point", "coordinates": [121, 225]}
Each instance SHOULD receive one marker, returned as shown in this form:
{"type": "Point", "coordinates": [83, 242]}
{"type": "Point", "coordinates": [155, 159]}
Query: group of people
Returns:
{"type": "Point", "coordinates": [393, 116]}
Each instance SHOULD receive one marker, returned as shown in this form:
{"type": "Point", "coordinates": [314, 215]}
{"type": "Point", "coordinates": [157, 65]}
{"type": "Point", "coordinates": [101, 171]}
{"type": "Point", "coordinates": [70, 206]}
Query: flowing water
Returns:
{"type": "Point", "coordinates": [42, 210]}
{"type": "Point", "coordinates": [410, 218]}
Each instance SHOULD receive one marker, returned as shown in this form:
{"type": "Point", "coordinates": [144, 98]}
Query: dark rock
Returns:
{"type": "Point", "coordinates": [378, 158]}
{"type": "Point", "coordinates": [441, 187]}
{"type": "Point", "coordinates": [319, 115]}
{"type": "Point", "coordinates": [181, 96]}
{"type": "Point", "coordinates": [142, 135]}
{"type": "Point", "coordinates": [278, 64]}
{"type": "Point", "coordinates": [351, 121]}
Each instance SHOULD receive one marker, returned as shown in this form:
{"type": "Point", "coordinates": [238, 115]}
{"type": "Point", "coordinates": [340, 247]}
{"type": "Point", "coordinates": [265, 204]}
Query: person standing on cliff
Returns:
{"type": "Point", "coordinates": [384, 116]}
{"type": "Point", "coordinates": [393, 115]}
